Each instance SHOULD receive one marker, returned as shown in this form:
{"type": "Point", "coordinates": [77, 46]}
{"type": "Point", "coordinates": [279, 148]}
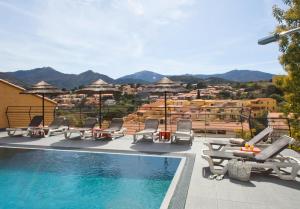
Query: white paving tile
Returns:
{"type": "Point", "coordinates": [263, 192]}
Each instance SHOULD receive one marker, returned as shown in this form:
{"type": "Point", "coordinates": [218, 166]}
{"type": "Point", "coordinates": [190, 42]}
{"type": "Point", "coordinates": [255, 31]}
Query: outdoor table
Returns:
{"type": "Point", "coordinates": [37, 132]}
{"type": "Point", "coordinates": [97, 133]}
{"type": "Point", "coordinates": [165, 135]}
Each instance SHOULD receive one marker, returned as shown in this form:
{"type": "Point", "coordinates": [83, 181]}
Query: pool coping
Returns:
{"type": "Point", "coordinates": [171, 190]}
{"type": "Point", "coordinates": [177, 192]}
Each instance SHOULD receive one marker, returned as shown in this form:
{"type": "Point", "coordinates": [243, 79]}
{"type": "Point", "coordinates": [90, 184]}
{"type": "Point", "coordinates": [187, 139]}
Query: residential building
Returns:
{"type": "Point", "coordinates": [16, 110]}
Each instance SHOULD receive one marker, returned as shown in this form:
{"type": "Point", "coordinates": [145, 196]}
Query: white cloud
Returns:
{"type": "Point", "coordinates": [93, 32]}
{"type": "Point", "coordinates": [136, 7]}
{"type": "Point", "coordinates": [114, 37]}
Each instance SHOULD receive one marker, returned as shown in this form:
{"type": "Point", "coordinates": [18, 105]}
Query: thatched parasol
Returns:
{"type": "Point", "coordinates": [43, 88]}
{"type": "Point", "coordinates": [98, 87]}
{"type": "Point", "coordinates": [165, 85]}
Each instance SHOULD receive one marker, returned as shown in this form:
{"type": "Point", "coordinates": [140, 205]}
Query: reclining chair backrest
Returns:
{"type": "Point", "coordinates": [260, 136]}
{"type": "Point", "coordinates": [275, 148]}
{"type": "Point", "coordinates": [58, 122]}
{"type": "Point", "coordinates": [36, 121]}
{"type": "Point", "coordinates": [116, 123]}
{"type": "Point", "coordinates": [151, 124]}
{"type": "Point", "coordinates": [90, 122]}
{"type": "Point", "coordinates": [184, 125]}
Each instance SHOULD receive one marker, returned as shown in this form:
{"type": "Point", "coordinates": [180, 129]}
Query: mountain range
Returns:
{"type": "Point", "coordinates": [57, 78]}
{"type": "Point", "coordinates": [69, 81]}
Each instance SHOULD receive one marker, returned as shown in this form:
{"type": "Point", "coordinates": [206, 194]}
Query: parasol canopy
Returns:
{"type": "Point", "coordinates": [98, 87]}
{"type": "Point", "coordinates": [165, 85]}
{"type": "Point", "coordinates": [43, 88]}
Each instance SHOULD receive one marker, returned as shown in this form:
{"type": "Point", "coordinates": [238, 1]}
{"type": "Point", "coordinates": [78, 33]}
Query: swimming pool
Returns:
{"type": "Point", "coordinates": [48, 179]}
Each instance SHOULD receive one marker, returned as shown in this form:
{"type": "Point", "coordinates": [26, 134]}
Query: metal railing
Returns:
{"type": "Point", "coordinates": [207, 121]}
{"type": "Point", "coordinates": [19, 116]}
{"type": "Point", "coordinates": [204, 122]}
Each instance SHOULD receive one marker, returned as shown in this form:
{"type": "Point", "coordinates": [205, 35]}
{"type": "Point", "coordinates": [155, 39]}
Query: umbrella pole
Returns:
{"type": "Point", "coordinates": [100, 110]}
{"type": "Point", "coordinates": [165, 111]}
{"type": "Point", "coordinates": [43, 110]}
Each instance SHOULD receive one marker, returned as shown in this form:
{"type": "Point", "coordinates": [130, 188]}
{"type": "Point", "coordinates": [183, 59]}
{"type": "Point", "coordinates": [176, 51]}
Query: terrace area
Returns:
{"type": "Point", "coordinates": [194, 189]}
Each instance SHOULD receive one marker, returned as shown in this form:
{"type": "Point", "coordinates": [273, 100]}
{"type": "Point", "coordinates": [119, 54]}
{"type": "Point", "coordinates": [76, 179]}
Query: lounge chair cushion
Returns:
{"type": "Point", "coordinates": [113, 129]}
{"type": "Point", "coordinates": [151, 124]}
{"type": "Point", "coordinates": [237, 141]}
{"type": "Point", "coordinates": [260, 136]}
{"type": "Point", "coordinates": [184, 125]}
{"type": "Point", "coordinates": [219, 154]}
{"type": "Point", "coordinates": [244, 154]}
{"type": "Point", "coordinates": [274, 149]}
{"type": "Point", "coordinates": [36, 121]}
{"type": "Point", "coordinates": [90, 122]}
{"type": "Point", "coordinates": [57, 123]}
{"type": "Point", "coordinates": [147, 131]}
{"type": "Point", "coordinates": [116, 124]}
{"type": "Point", "coordinates": [183, 133]}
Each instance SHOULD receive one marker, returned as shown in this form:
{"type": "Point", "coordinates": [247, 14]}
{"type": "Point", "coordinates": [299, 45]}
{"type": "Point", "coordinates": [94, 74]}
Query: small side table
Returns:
{"type": "Point", "coordinates": [37, 132]}
{"type": "Point", "coordinates": [165, 135]}
{"type": "Point", "coordinates": [97, 133]}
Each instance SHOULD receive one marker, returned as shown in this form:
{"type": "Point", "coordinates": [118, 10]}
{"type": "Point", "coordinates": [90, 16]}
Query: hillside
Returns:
{"type": "Point", "coordinates": [13, 80]}
{"type": "Point", "coordinates": [69, 81]}
{"type": "Point", "coordinates": [144, 75]}
{"type": "Point", "coordinates": [241, 75]}
{"type": "Point", "coordinates": [233, 75]}
{"type": "Point", "coordinates": [57, 78]}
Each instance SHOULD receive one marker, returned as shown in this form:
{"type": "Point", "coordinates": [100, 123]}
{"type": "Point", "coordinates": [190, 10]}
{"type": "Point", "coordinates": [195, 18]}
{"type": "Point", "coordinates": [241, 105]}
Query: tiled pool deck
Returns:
{"type": "Point", "coordinates": [262, 192]}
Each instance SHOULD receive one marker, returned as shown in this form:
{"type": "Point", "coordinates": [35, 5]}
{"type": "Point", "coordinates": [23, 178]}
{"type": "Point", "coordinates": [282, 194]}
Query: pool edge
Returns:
{"type": "Point", "coordinates": [173, 198]}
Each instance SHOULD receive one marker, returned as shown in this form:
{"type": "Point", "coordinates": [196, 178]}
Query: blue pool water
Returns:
{"type": "Point", "coordinates": [52, 179]}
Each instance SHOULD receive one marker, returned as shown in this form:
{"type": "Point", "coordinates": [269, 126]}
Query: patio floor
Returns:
{"type": "Point", "coordinates": [262, 192]}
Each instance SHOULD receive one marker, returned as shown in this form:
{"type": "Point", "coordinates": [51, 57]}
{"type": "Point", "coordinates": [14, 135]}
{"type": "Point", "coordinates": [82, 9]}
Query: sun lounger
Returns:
{"type": "Point", "coordinates": [35, 122]}
{"type": "Point", "coordinates": [184, 132]}
{"type": "Point", "coordinates": [57, 126]}
{"type": "Point", "coordinates": [114, 130]}
{"type": "Point", "coordinates": [269, 158]}
{"type": "Point", "coordinates": [211, 143]}
{"type": "Point", "coordinates": [150, 131]}
{"type": "Point", "coordinates": [85, 131]}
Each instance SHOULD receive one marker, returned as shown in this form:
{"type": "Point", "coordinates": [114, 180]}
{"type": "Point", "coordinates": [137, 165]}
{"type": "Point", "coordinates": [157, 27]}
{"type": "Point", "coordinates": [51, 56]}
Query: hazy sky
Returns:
{"type": "Point", "coordinates": [118, 37]}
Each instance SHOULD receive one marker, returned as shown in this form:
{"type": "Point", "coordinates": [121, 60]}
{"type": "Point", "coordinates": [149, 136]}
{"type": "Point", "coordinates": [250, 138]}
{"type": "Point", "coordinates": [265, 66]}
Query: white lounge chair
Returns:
{"type": "Point", "coordinates": [218, 144]}
{"type": "Point", "coordinates": [184, 132]}
{"type": "Point", "coordinates": [85, 131]}
{"type": "Point", "coordinates": [114, 130]}
{"type": "Point", "coordinates": [57, 126]}
{"type": "Point", "coordinates": [150, 131]}
{"type": "Point", "coordinates": [269, 158]}
{"type": "Point", "coordinates": [19, 131]}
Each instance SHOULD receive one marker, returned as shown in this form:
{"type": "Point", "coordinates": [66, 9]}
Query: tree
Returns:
{"type": "Point", "coordinates": [289, 18]}
{"type": "Point", "coordinates": [189, 86]}
{"type": "Point", "coordinates": [198, 94]}
{"type": "Point", "coordinates": [277, 97]}
{"type": "Point", "coordinates": [225, 94]}
{"type": "Point", "coordinates": [201, 85]}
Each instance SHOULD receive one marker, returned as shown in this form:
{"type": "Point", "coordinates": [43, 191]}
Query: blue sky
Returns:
{"type": "Point", "coordinates": [118, 37]}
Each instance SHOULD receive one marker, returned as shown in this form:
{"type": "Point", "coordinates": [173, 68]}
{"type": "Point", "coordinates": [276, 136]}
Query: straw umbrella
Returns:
{"type": "Point", "coordinates": [98, 87]}
{"type": "Point", "coordinates": [43, 88]}
{"type": "Point", "coordinates": [165, 85]}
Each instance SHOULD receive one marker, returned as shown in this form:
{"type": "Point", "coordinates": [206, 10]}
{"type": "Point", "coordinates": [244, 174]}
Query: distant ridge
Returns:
{"type": "Point", "coordinates": [13, 80]}
{"type": "Point", "coordinates": [57, 78]}
{"type": "Point", "coordinates": [144, 75]}
{"type": "Point", "coordinates": [69, 81]}
{"type": "Point", "coordinates": [241, 75]}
